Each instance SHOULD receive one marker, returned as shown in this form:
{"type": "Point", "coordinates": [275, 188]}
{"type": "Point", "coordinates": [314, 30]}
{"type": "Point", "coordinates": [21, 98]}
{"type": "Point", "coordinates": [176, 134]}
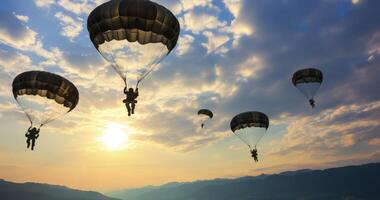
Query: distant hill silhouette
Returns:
{"type": "Point", "coordinates": [344, 183]}
{"type": "Point", "coordinates": [34, 191]}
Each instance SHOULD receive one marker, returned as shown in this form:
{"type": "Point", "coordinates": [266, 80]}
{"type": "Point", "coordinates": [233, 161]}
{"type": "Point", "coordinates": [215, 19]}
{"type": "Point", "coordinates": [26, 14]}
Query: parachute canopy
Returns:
{"type": "Point", "coordinates": [44, 96]}
{"type": "Point", "coordinates": [250, 127]}
{"type": "Point", "coordinates": [133, 20]}
{"type": "Point", "coordinates": [204, 115]}
{"type": "Point", "coordinates": [133, 35]}
{"type": "Point", "coordinates": [249, 119]}
{"type": "Point", "coordinates": [310, 75]}
{"type": "Point", "coordinates": [308, 81]}
{"type": "Point", "coordinates": [205, 112]}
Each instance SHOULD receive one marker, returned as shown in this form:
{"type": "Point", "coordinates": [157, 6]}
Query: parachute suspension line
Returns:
{"type": "Point", "coordinates": [309, 95]}
{"type": "Point", "coordinates": [142, 77]}
{"type": "Point", "coordinates": [146, 73]}
{"type": "Point", "coordinates": [313, 95]}
{"type": "Point", "coordinates": [137, 83]}
{"type": "Point", "coordinates": [259, 139]}
{"type": "Point", "coordinates": [125, 81]}
{"type": "Point", "coordinates": [27, 115]}
{"type": "Point", "coordinates": [51, 119]}
{"type": "Point", "coordinates": [113, 65]}
{"type": "Point", "coordinates": [243, 140]}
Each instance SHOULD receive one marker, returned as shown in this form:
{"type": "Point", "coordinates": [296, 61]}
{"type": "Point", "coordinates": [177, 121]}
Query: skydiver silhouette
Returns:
{"type": "Point", "coordinates": [130, 101]}
{"type": "Point", "coordinates": [32, 135]}
{"type": "Point", "coordinates": [312, 103]}
{"type": "Point", "coordinates": [254, 154]}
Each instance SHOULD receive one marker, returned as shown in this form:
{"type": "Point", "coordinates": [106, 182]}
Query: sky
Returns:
{"type": "Point", "coordinates": [232, 56]}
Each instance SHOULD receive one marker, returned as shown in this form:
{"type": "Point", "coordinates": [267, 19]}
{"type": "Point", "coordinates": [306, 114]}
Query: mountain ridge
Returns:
{"type": "Point", "coordinates": [43, 191]}
{"type": "Point", "coordinates": [349, 182]}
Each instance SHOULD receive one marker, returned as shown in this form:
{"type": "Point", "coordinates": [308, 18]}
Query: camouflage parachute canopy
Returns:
{"type": "Point", "coordinates": [310, 75]}
{"type": "Point", "coordinates": [46, 84]}
{"type": "Point", "coordinates": [134, 20]}
{"type": "Point", "coordinates": [205, 112]}
{"type": "Point", "coordinates": [249, 119]}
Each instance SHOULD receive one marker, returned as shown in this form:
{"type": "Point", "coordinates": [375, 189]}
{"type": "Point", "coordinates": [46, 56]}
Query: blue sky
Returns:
{"type": "Point", "coordinates": [232, 56]}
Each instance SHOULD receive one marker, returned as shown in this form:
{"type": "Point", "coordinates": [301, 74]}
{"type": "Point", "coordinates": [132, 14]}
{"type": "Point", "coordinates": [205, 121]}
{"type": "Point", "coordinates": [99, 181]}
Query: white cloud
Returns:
{"type": "Point", "coordinates": [328, 130]}
{"type": "Point", "coordinates": [174, 6]}
{"type": "Point", "coordinates": [189, 5]}
{"type": "Point", "coordinates": [71, 27]}
{"type": "Point", "coordinates": [184, 44]}
{"type": "Point", "coordinates": [14, 63]}
{"type": "Point", "coordinates": [23, 40]}
{"type": "Point", "coordinates": [234, 6]}
{"type": "Point", "coordinates": [78, 7]}
{"type": "Point", "coordinates": [44, 3]}
{"type": "Point", "coordinates": [15, 34]}
{"type": "Point", "coordinates": [198, 22]}
{"type": "Point", "coordinates": [239, 26]}
{"type": "Point", "coordinates": [215, 42]}
{"type": "Point", "coordinates": [22, 18]}
{"type": "Point", "coordinates": [250, 68]}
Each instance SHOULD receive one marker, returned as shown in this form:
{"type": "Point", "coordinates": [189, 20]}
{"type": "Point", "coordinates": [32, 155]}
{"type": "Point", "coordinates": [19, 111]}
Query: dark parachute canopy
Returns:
{"type": "Point", "coordinates": [250, 127]}
{"type": "Point", "coordinates": [117, 25]}
{"type": "Point", "coordinates": [308, 81]}
{"type": "Point", "coordinates": [310, 75]}
{"type": "Point", "coordinates": [204, 115]}
{"type": "Point", "coordinates": [205, 112]}
{"type": "Point", "coordinates": [44, 96]}
{"type": "Point", "coordinates": [134, 20]}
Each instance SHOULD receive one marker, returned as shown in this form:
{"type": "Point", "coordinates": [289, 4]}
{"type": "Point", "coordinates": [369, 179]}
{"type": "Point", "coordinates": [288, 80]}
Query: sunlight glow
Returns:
{"type": "Point", "coordinates": [114, 137]}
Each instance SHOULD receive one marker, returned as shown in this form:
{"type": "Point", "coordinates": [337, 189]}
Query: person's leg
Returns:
{"type": "Point", "coordinates": [33, 143]}
{"type": "Point", "coordinates": [28, 143]}
{"type": "Point", "coordinates": [133, 108]}
{"type": "Point", "coordinates": [128, 108]}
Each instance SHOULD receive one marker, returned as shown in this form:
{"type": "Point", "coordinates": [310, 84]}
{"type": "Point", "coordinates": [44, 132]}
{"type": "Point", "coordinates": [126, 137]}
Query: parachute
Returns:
{"type": "Point", "coordinates": [133, 35]}
{"type": "Point", "coordinates": [250, 127]}
{"type": "Point", "coordinates": [44, 96]}
{"type": "Point", "coordinates": [308, 81]}
{"type": "Point", "coordinates": [204, 115]}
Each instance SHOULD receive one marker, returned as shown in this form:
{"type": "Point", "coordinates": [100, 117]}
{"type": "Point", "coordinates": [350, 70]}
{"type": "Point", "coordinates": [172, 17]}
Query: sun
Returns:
{"type": "Point", "coordinates": [114, 137]}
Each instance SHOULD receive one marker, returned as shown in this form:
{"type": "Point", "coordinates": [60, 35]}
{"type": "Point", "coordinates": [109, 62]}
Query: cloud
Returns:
{"type": "Point", "coordinates": [254, 74]}
{"type": "Point", "coordinates": [234, 6]}
{"type": "Point", "coordinates": [78, 7]}
{"type": "Point", "coordinates": [334, 130]}
{"type": "Point", "coordinates": [13, 33]}
{"type": "Point", "coordinates": [185, 43]}
{"type": "Point", "coordinates": [44, 3]}
{"type": "Point", "coordinates": [189, 5]}
{"type": "Point", "coordinates": [239, 26]}
{"type": "Point", "coordinates": [22, 18]}
{"type": "Point", "coordinates": [174, 6]}
{"type": "Point", "coordinates": [215, 42]}
{"type": "Point", "coordinates": [71, 28]}
{"type": "Point", "coordinates": [13, 63]}
{"type": "Point", "coordinates": [374, 142]}
{"type": "Point", "coordinates": [191, 21]}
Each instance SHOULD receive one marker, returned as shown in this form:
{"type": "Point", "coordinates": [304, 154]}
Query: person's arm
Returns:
{"type": "Point", "coordinates": [125, 90]}
{"type": "Point", "coordinates": [37, 135]}
{"type": "Point", "coordinates": [137, 92]}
